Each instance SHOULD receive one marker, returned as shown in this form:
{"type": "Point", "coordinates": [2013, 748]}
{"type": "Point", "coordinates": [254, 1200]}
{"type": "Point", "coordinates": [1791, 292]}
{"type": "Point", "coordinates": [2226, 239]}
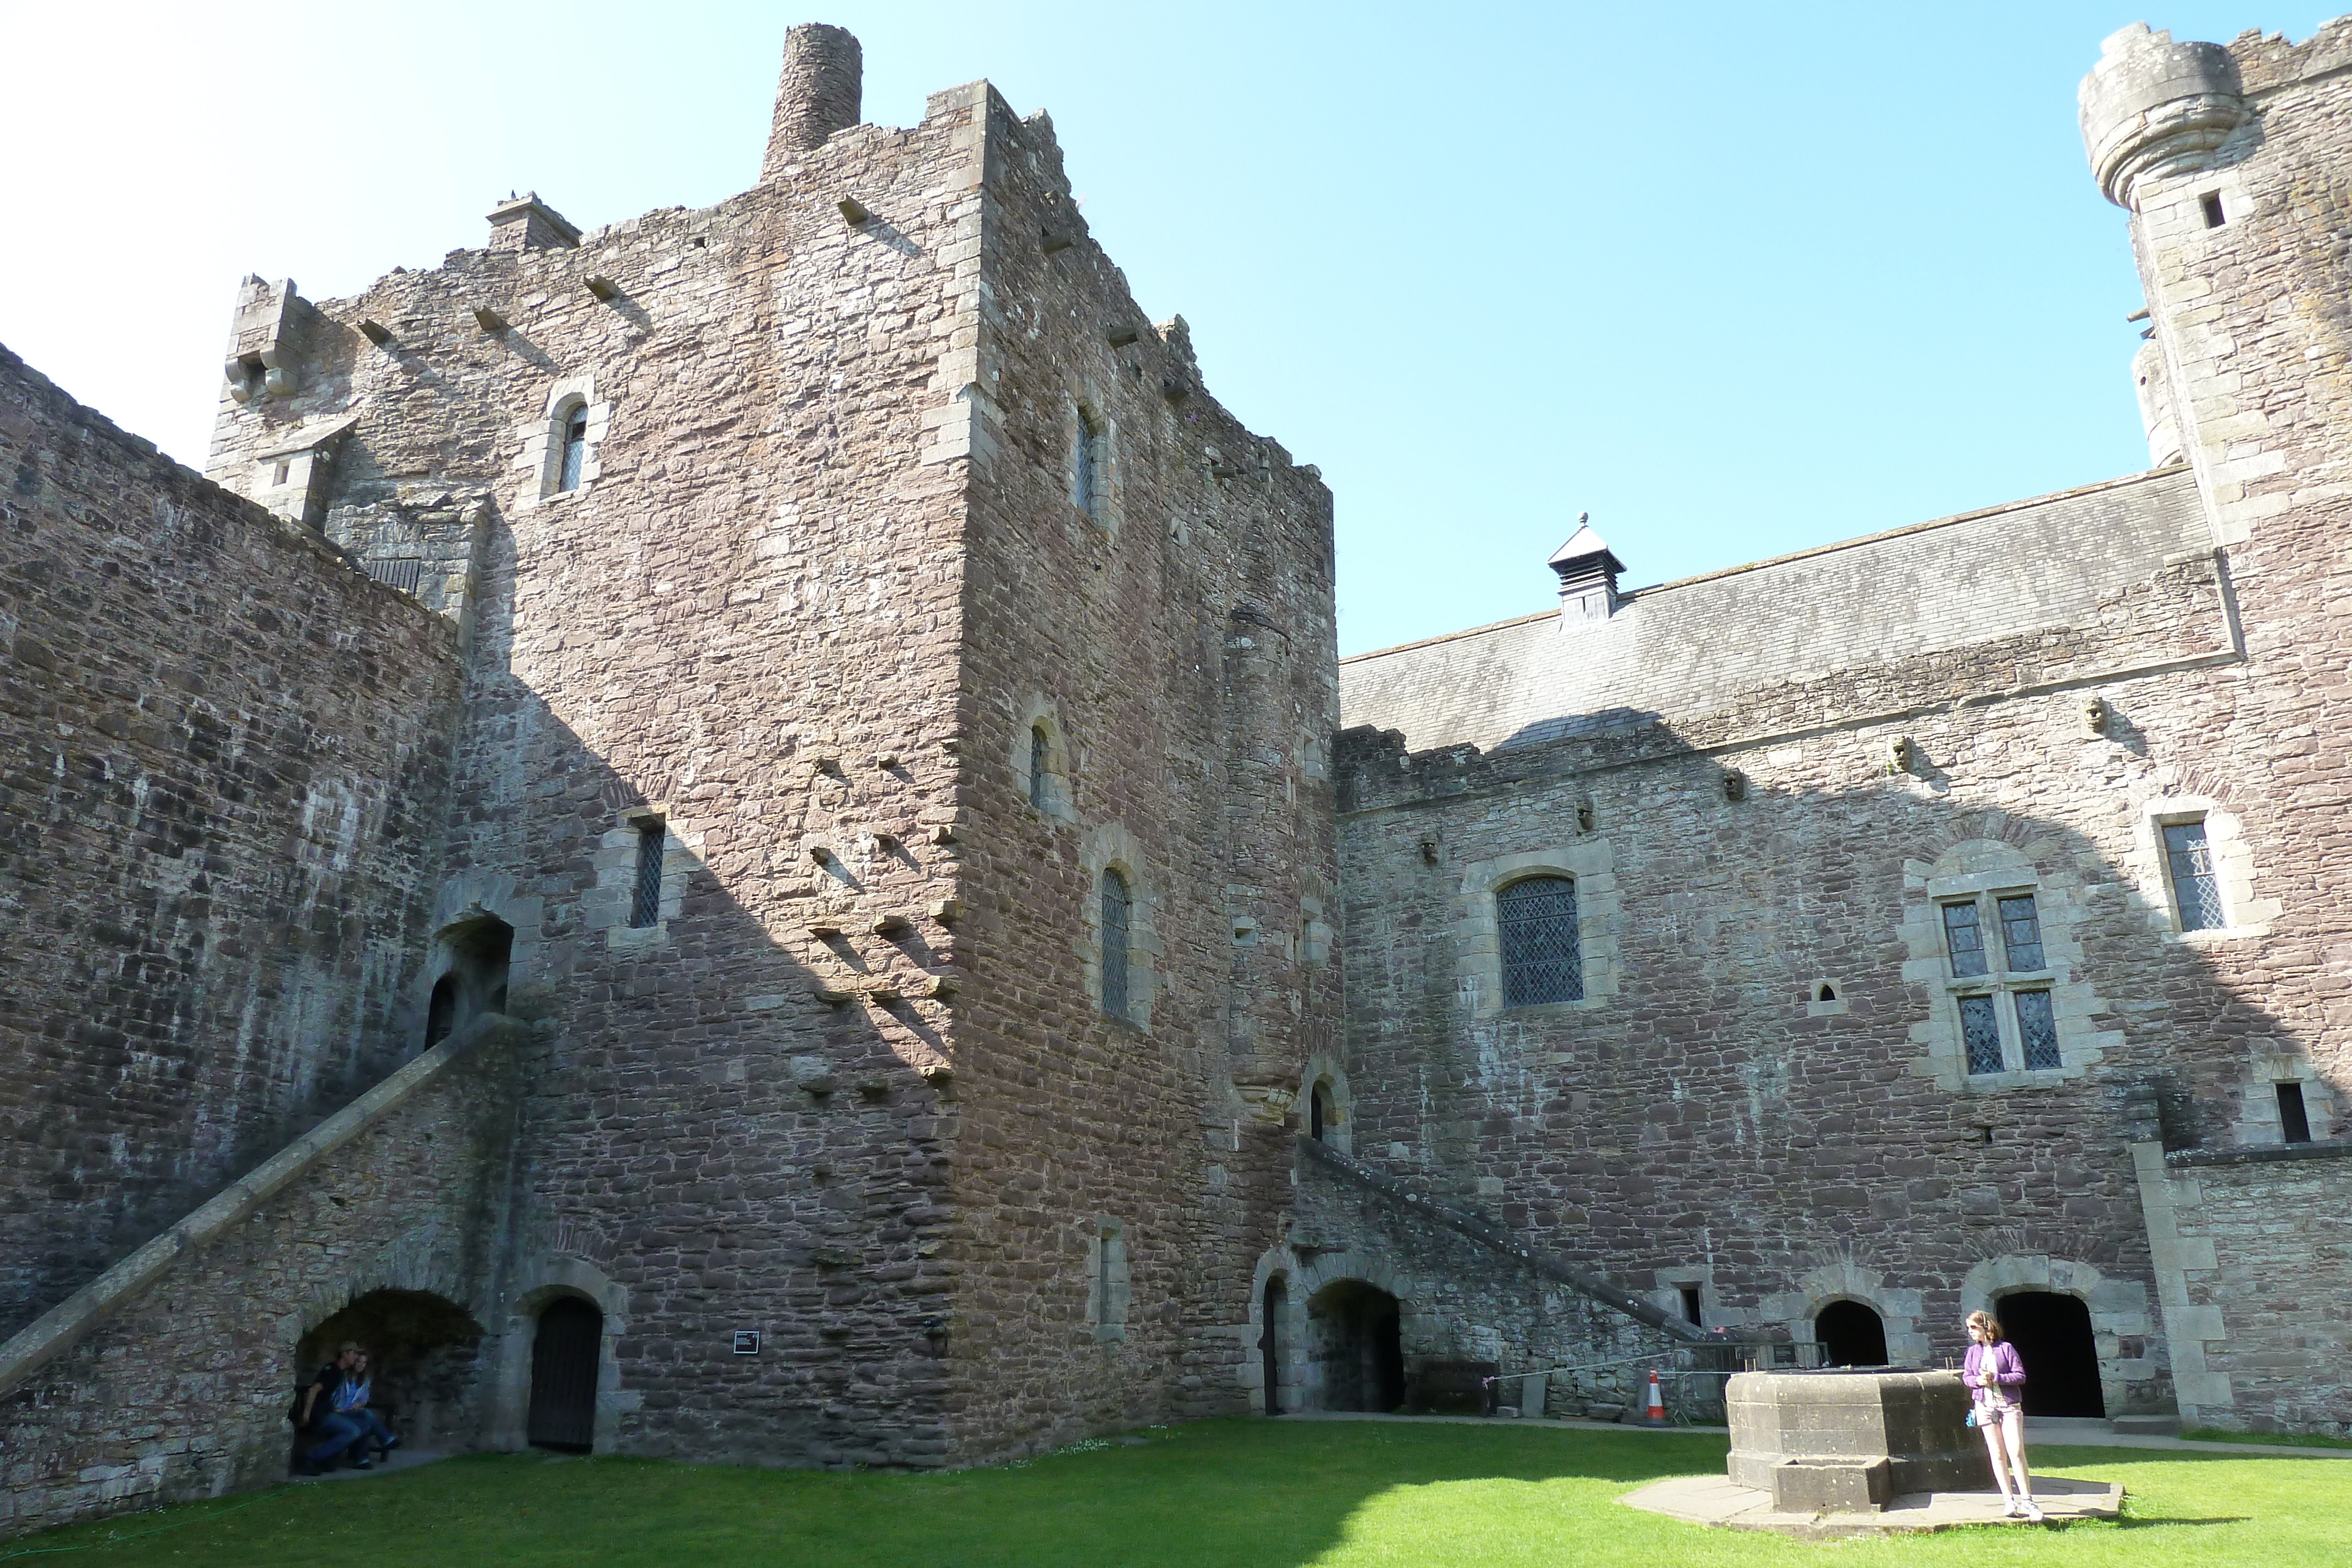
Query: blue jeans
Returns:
{"type": "Point", "coordinates": [338, 1430]}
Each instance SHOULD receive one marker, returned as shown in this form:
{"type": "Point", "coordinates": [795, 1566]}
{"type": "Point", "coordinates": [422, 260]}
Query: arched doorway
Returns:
{"type": "Point", "coordinates": [1319, 1111]}
{"type": "Point", "coordinates": [2061, 1356]}
{"type": "Point", "coordinates": [424, 1359]}
{"type": "Point", "coordinates": [565, 1352]}
{"type": "Point", "coordinates": [1357, 1347]}
{"type": "Point", "coordinates": [481, 950]}
{"type": "Point", "coordinates": [1269, 1343]}
{"type": "Point", "coordinates": [1852, 1335]}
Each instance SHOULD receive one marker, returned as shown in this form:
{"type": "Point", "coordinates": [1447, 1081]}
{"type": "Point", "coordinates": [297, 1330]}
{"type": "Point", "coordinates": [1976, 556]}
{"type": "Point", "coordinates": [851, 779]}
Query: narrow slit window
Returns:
{"type": "Point", "coordinates": [1117, 911]}
{"type": "Point", "coordinates": [1964, 938]}
{"type": "Point", "coordinates": [2037, 1028]}
{"type": "Point", "coordinates": [1543, 959]}
{"type": "Point", "coordinates": [2195, 891]}
{"type": "Point", "coordinates": [1040, 757]}
{"type": "Point", "coordinates": [576, 448]}
{"type": "Point", "coordinates": [1086, 465]}
{"type": "Point", "coordinates": [2211, 204]}
{"type": "Point", "coordinates": [1690, 1303]}
{"type": "Point", "coordinates": [2021, 934]}
{"type": "Point", "coordinates": [1980, 1030]}
{"type": "Point", "coordinates": [644, 904]}
{"type": "Point", "coordinates": [284, 472]}
{"type": "Point", "coordinates": [1315, 1114]}
{"type": "Point", "coordinates": [2294, 1120]}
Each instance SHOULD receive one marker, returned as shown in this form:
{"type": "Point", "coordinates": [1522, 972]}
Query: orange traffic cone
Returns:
{"type": "Point", "coordinates": [1656, 1413]}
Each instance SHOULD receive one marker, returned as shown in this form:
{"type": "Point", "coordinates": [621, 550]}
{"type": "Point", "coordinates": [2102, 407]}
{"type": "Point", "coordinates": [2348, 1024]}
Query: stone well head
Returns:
{"type": "Point", "coordinates": [1842, 1441]}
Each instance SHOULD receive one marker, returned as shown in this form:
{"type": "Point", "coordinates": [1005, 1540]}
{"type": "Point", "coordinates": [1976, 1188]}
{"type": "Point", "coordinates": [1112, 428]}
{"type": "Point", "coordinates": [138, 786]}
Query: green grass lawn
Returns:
{"type": "Point", "coordinates": [2269, 1439]}
{"type": "Point", "coordinates": [1218, 1494]}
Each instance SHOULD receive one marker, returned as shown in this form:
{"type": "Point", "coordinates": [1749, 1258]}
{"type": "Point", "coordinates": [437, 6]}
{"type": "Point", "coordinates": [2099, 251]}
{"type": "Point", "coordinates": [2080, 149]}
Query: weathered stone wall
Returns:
{"type": "Point", "coordinates": [1561, 1352]}
{"type": "Point", "coordinates": [226, 761]}
{"type": "Point", "coordinates": [2253, 1265]}
{"type": "Point", "coordinates": [1177, 641]}
{"type": "Point", "coordinates": [180, 1384]}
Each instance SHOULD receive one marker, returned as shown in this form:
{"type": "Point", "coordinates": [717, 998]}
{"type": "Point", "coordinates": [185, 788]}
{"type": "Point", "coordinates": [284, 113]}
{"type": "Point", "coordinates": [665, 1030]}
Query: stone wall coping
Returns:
{"type": "Point", "coordinates": [65, 1325]}
{"type": "Point", "coordinates": [1493, 1237]}
{"type": "Point", "coordinates": [2260, 1153]}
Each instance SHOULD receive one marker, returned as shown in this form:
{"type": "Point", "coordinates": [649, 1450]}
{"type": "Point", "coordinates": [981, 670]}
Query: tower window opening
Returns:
{"type": "Point", "coordinates": [1690, 1303]}
{"type": "Point", "coordinates": [1543, 959]}
{"type": "Point", "coordinates": [1828, 993]}
{"type": "Point", "coordinates": [1041, 753]}
{"type": "Point", "coordinates": [576, 448]}
{"type": "Point", "coordinates": [644, 903]}
{"type": "Point", "coordinates": [1981, 1033]}
{"type": "Point", "coordinates": [1117, 910]}
{"type": "Point", "coordinates": [2211, 204]}
{"type": "Point", "coordinates": [1317, 1111]}
{"type": "Point", "coordinates": [2037, 1028]}
{"type": "Point", "coordinates": [2195, 891]}
{"type": "Point", "coordinates": [2294, 1120]}
{"type": "Point", "coordinates": [284, 472]}
{"type": "Point", "coordinates": [1085, 468]}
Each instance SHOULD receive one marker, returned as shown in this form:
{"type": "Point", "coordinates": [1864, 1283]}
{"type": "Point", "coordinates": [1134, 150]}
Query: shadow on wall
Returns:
{"type": "Point", "coordinates": [2015, 1078]}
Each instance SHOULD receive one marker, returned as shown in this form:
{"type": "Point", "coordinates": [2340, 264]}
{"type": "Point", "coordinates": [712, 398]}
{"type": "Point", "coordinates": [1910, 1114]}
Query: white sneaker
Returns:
{"type": "Point", "coordinates": [2032, 1510]}
{"type": "Point", "coordinates": [2009, 1509]}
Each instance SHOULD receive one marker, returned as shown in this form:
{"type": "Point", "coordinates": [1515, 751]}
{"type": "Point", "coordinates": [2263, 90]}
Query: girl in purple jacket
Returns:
{"type": "Point", "coordinates": [1997, 1378]}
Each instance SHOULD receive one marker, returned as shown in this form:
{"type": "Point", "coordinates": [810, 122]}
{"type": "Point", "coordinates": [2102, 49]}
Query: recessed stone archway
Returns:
{"type": "Point", "coordinates": [1304, 1275]}
{"type": "Point", "coordinates": [546, 1280]}
{"type": "Point", "coordinates": [2122, 1321]}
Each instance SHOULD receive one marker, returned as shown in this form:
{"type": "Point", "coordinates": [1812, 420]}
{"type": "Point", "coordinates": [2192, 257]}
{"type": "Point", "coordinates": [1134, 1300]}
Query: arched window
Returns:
{"type": "Point", "coordinates": [1085, 467]}
{"type": "Point", "coordinates": [1041, 764]}
{"type": "Point", "coordinates": [1117, 908]}
{"type": "Point", "coordinates": [1542, 958]}
{"type": "Point", "coordinates": [575, 447]}
{"type": "Point", "coordinates": [1318, 1111]}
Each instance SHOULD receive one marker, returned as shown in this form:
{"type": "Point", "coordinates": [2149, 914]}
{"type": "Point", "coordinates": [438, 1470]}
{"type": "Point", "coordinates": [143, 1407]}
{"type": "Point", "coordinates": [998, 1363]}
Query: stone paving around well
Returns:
{"type": "Point", "coordinates": [1711, 1500]}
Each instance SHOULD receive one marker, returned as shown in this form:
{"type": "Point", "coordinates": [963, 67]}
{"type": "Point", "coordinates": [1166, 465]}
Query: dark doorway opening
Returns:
{"type": "Point", "coordinates": [423, 1360]}
{"type": "Point", "coordinates": [1851, 1336]}
{"type": "Point", "coordinates": [482, 950]}
{"type": "Point", "coordinates": [1269, 1343]}
{"type": "Point", "coordinates": [564, 1354]}
{"type": "Point", "coordinates": [1318, 1100]}
{"type": "Point", "coordinates": [1357, 1348]}
{"type": "Point", "coordinates": [2061, 1356]}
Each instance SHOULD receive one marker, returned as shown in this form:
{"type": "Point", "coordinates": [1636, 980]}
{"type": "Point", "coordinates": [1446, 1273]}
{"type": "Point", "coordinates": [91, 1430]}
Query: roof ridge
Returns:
{"type": "Point", "coordinates": [1860, 539]}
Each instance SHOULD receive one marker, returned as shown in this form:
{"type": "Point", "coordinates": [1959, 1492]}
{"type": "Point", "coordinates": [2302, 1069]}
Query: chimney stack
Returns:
{"type": "Point", "coordinates": [817, 94]}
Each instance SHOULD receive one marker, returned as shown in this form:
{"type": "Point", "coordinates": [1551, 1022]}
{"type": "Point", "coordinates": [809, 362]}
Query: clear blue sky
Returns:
{"type": "Point", "coordinates": [1736, 279]}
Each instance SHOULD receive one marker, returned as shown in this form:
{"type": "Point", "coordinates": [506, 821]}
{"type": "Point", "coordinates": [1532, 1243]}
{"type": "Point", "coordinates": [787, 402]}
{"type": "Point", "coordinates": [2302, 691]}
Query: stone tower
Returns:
{"type": "Point", "coordinates": [884, 846]}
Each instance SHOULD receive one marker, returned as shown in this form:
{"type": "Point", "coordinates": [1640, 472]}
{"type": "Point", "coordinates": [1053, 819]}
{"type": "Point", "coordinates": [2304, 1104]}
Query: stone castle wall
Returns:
{"type": "Point", "coordinates": [1177, 644]}
{"type": "Point", "coordinates": [2254, 1271]}
{"type": "Point", "coordinates": [178, 1384]}
{"type": "Point", "coordinates": [228, 755]}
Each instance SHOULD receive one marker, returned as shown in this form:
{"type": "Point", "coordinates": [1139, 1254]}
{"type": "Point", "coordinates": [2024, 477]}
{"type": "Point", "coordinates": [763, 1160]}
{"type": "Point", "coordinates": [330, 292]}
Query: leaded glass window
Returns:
{"type": "Point", "coordinates": [1543, 959]}
{"type": "Point", "coordinates": [576, 448]}
{"type": "Point", "coordinates": [2195, 891]}
{"type": "Point", "coordinates": [644, 904]}
{"type": "Point", "coordinates": [2020, 932]}
{"type": "Point", "coordinates": [1116, 909]}
{"type": "Point", "coordinates": [1964, 937]}
{"type": "Point", "coordinates": [1083, 463]}
{"type": "Point", "coordinates": [2037, 1027]}
{"type": "Point", "coordinates": [1980, 1028]}
{"type": "Point", "coordinates": [1041, 751]}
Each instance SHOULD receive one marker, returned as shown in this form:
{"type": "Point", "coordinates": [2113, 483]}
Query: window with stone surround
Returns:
{"type": "Point", "coordinates": [1041, 761]}
{"type": "Point", "coordinates": [2196, 872]}
{"type": "Point", "coordinates": [558, 448]}
{"type": "Point", "coordinates": [1539, 929]}
{"type": "Point", "coordinates": [1093, 471]}
{"type": "Point", "coordinates": [576, 448]}
{"type": "Point", "coordinates": [1108, 1282]}
{"type": "Point", "coordinates": [644, 899]}
{"type": "Point", "coordinates": [1991, 940]}
{"type": "Point", "coordinates": [2002, 989]}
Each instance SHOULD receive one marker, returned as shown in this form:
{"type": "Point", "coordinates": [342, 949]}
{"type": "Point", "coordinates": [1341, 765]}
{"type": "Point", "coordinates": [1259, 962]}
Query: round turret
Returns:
{"type": "Point", "coordinates": [818, 93]}
{"type": "Point", "coordinates": [2152, 106]}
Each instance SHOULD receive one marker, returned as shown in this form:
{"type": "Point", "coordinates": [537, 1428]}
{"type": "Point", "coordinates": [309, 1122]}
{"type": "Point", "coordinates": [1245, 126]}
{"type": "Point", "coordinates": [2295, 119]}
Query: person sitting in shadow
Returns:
{"type": "Point", "coordinates": [336, 1402]}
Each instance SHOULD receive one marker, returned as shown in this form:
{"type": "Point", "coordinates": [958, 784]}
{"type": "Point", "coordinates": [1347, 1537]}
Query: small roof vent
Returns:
{"type": "Point", "coordinates": [1588, 573]}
